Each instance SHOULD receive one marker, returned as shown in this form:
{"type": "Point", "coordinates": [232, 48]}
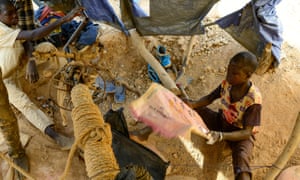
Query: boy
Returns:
{"type": "Point", "coordinates": [11, 55]}
{"type": "Point", "coordinates": [239, 113]}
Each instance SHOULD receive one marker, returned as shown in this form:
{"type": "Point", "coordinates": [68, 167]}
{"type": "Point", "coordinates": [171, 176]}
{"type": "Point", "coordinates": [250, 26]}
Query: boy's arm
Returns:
{"type": "Point", "coordinates": [32, 74]}
{"type": "Point", "coordinates": [26, 22]}
{"type": "Point", "coordinates": [205, 100]}
{"type": "Point", "coordinates": [214, 136]}
{"type": "Point", "coordinates": [251, 118]}
{"type": "Point", "coordinates": [32, 35]}
{"type": "Point", "coordinates": [238, 135]}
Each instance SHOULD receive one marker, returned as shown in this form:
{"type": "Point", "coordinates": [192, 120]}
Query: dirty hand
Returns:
{"type": "Point", "coordinates": [75, 12]}
{"type": "Point", "coordinates": [214, 136]}
{"type": "Point", "coordinates": [32, 74]}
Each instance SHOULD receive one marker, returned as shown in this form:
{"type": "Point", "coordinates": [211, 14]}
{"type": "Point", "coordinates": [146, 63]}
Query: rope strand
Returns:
{"type": "Point", "coordinates": [12, 164]}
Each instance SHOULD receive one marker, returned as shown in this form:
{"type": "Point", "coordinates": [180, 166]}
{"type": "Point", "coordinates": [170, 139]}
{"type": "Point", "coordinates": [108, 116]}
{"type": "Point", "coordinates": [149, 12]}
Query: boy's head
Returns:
{"type": "Point", "coordinates": [241, 67]}
{"type": "Point", "coordinates": [8, 13]}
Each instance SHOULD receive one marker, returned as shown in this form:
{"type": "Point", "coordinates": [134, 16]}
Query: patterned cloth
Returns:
{"type": "Point", "coordinates": [234, 111]}
{"type": "Point", "coordinates": [45, 15]}
{"type": "Point", "coordinates": [25, 14]}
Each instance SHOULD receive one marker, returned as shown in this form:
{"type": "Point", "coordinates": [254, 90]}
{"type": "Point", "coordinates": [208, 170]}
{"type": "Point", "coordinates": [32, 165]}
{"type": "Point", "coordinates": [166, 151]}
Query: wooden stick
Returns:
{"type": "Point", "coordinates": [186, 57]}
{"type": "Point", "coordinates": [189, 50]}
{"type": "Point", "coordinates": [185, 62]}
{"type": "Point", "coordinates": [130, 88]}
{"type": "Point", "coordinates": [161, 72]}
{"type": "Point", "coordinates": [288, 151]}
{"type": "Point", "coordinates": [183, 92]}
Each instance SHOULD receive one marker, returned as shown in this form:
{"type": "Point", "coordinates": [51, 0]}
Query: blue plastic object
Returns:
{"type": "Point", "coordinates": [120, 95]}
{"type": "Point", "coordinates": [109, 85]}
{"type": "Point", "coordinates": [164, 58]}
{"type": "Point", "coordinates": [152, 74]}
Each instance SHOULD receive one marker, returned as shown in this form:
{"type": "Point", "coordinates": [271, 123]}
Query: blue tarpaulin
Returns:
{"type": "Point", "coordinates": [167, 17]}
{"type": "Point", "coordinates": [269, 25]}
{"type": "Point", "coordinates": [255, 25]}
{"type": "Point", "coordinates": [101, 10]}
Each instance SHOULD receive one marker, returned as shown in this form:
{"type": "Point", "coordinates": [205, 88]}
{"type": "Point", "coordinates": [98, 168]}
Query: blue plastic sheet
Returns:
{"type": "Point", "coordinates": [167, 17]}
{"type": "Point", "coordinates": [101, 10]}
{"type": "Point", "coordinates": [269, 25]}
{"type": "Point", "coordinates": [255, 25]}
{"type": "Point", "coordinates": [87, 36]}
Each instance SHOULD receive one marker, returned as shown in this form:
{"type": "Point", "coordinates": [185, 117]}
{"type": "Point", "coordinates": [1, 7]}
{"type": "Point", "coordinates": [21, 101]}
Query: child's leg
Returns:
{"type": "Point", "coordinates": [64, 141]}
{"type": "Point", "coordinates": [241, 152]}
{"type": "Point", "coordinates": [34, 115]}
{"type": "Point", "coordinates": [22, 102]}
{"type": "Point", "coordinates": [210, 118]}
{"type": "Point", "coordinates": [10, 130]}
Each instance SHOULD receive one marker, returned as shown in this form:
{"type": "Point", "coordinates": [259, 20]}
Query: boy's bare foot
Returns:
{"type": "Point", "coordinates": [64, 142]}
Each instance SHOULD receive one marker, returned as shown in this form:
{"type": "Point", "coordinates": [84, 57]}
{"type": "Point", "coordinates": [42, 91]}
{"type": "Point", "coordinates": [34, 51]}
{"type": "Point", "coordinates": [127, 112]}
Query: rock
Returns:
{"type": "Point", "coordinates": [47, 73]}
{"type": "Point", "coordinates": [175, 155]}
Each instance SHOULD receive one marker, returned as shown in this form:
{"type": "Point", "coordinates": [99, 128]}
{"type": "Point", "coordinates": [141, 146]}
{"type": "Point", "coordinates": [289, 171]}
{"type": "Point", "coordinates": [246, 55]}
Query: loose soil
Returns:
{"type": "Point", "coordinates": [207, 67]}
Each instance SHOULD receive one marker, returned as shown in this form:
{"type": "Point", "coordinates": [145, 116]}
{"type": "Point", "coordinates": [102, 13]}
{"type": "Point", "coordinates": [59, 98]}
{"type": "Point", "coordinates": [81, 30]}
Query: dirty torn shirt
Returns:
{"type": "Point", "coordinates": [11, 50]}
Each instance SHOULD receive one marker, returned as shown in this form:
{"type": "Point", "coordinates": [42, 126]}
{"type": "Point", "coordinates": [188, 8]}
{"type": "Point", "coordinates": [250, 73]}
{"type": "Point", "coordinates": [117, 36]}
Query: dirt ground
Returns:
{"type": "Point", "coordinates": [207, 67]}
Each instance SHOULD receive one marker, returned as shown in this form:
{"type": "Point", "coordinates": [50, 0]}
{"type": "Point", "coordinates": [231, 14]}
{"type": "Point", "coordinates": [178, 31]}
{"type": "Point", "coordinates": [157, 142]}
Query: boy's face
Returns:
{"type": "Point", "coordinates": [8, 15]}
{"type": "Point", "coordinates": [236, 75]}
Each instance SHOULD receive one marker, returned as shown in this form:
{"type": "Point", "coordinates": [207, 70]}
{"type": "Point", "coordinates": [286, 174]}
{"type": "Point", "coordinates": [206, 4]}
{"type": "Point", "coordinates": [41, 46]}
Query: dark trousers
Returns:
{"type": "Point", "coordinates": [241, 150]}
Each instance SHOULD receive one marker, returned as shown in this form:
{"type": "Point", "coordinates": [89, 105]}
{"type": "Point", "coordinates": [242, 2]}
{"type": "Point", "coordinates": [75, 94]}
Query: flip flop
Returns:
{"type": "Point", "coordinates": [109, 85]}
{"type": "Point", "coordinates": [99, 83]}
{"type": "Point", "coordinates": [152, 74]}
{"type": "Point", "coordinates": [165, 61]}
{"type": "Point", "coordinates": [120, 96]}
{"type": "Point", "coordinates": [163, 56]}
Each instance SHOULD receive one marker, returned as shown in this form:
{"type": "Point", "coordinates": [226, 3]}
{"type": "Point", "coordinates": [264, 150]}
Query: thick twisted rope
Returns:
{"type": "Point", "coordinates": [93, 136]}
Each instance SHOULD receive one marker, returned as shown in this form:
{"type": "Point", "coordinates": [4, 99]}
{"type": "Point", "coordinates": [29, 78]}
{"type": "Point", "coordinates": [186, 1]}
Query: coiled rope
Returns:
{"type": "Point", "coordinates": [93, 136]}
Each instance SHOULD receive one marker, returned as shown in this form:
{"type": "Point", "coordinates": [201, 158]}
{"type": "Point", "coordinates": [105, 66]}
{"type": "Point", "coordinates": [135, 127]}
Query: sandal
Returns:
{"type": "Point", "coordinates": [119, 95]}
{"type": "Point", "coordinates": [109, 85]}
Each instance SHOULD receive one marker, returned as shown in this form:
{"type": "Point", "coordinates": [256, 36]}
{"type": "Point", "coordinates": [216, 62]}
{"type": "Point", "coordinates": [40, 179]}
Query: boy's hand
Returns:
{"type": "Point", "coordinates": [32, 74]}
{"type": "Point", "coordinates": [214, 136]}
{"type": "Point", "coordinates": [75, 12]}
